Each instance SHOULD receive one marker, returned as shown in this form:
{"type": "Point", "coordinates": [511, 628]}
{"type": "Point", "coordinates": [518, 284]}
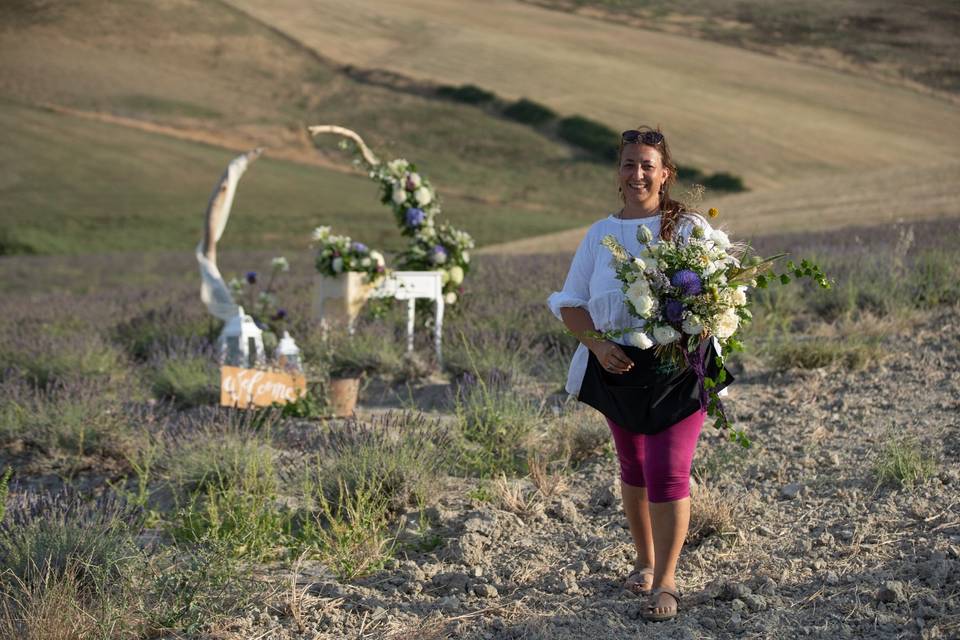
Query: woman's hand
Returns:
{"type": "Point", "coordinates": [611, 357]}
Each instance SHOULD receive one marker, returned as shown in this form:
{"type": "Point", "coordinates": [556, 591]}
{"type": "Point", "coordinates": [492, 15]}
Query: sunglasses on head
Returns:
{"type": "Point", "coordinates": [632, 136]}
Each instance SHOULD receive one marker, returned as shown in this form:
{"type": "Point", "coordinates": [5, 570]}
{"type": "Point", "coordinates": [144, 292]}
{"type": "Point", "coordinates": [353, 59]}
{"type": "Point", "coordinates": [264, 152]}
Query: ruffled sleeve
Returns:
{"type": "Point", "coordinates": [689, 221]}
{"type": "Point", "coordinates": [576, 288]}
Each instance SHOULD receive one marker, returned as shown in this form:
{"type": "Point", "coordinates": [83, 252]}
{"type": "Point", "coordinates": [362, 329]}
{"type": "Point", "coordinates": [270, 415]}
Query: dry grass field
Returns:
{"type": "Point", "coordinates": [770, 120]}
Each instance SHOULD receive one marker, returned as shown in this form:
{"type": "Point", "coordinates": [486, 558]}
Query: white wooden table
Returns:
{"type": "Point", "coordinates": [410, 285]}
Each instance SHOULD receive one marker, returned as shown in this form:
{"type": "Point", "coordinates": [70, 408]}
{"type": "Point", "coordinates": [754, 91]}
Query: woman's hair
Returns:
{"type": "Point", "coordinates": [670, 209]}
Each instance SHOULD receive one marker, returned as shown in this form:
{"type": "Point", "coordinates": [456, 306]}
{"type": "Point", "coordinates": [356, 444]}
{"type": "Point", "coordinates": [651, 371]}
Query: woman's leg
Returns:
{"type": "Point", "coordinates": [629, 447]}
{"type": "Point", "coordinates": [666, 466]}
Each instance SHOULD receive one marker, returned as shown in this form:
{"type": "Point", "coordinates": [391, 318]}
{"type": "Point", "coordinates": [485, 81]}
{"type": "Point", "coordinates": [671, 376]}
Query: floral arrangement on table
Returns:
{"type": "Point", "coordinates": [415, 206]}
{"type": "Point", "coordinates": [339, 254]}
{"type": "Point", "coordinates": [261, 303]}
{"type": "Point", "coordinates": [688, 292]}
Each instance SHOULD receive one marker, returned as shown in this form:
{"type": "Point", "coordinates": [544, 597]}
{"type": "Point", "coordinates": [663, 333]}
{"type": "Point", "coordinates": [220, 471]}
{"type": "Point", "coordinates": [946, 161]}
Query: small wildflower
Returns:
{"type": "Point", "coordinates": [251, 277]}
{"type": "Point", "coordinates": [713, 212]}
{"type": "Point", "coordinates": [280, 264]}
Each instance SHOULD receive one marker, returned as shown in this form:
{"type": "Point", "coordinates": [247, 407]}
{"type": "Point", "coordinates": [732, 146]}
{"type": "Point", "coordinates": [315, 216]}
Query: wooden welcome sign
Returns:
{"type": "Point", "coordinates": [245, 387]}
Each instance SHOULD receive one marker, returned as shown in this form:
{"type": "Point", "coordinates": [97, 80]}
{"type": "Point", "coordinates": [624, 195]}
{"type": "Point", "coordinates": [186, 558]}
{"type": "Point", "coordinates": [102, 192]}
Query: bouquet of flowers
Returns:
{"type": "Point", "coordinates": [339, 254]}
{"type": "Point", "coordinates": [261, 304]}
{"type": "Point", "coordinates": [445, 249]}
{"type": "Point", "coordinates": [689, 292]}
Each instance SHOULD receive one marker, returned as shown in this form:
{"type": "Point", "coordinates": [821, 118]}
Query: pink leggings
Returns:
{"type": "Point", "coordinates": [661, 461]}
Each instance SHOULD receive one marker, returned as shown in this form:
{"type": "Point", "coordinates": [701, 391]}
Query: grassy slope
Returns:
{"type": "Point", "coordinates": [912, 43]}
{"type": "Point", "coordinates": [214, 73]}
{"type": "Point", "coordinates": [768, 119]}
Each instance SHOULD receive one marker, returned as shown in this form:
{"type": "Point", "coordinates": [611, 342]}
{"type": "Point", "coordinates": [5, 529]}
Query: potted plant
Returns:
{"type": "Point", "coordinates": [347, 272]}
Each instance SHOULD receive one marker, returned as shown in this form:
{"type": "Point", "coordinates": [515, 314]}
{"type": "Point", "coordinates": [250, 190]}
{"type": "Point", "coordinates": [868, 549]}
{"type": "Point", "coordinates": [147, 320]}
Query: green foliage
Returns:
{"type": "Point", "coordinates": [59, 361]}
{"type": "Point", "coordinates": [529, 112]}
{"type": "Point", "coordinates": [723, 181]}
{"type": "Point", "coordinates": [497, 424]}
{"type": "Point", "coordinates": [901, 462]}
{"type": "Point", "coordinates": [5, 490]}
{"type": "Point", "coordinates": [467, 93]}
{"type": "Point", "coordinates": [190, 381]}
{"type": "Point", "coordinates": [589, 135]}
{"type": "Point", "coordinates": [349, 530]}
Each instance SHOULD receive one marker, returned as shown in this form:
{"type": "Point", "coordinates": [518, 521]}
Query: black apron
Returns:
{"type": "Point", "coordinates": [652, 395]}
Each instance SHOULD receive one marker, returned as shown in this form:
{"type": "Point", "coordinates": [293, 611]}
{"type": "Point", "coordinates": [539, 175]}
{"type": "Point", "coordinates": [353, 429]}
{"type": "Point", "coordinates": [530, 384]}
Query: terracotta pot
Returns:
{"type": "Point", "coordinates": [343, 396]}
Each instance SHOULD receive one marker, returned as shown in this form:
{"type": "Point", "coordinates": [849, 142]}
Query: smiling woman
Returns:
{"type": "Point", "coordinates": [654, 461]}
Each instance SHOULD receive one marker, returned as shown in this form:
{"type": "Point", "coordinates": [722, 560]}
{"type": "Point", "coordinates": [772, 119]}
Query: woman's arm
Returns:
{"type": "Point", "coordinates": [611, 356]}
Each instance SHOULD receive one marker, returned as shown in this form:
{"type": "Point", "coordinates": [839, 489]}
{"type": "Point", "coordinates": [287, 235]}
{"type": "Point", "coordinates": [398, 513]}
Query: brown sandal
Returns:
{"type": "Point", "coordinates": [636, 579]}
{"type": "Point", "coordinates": [651, 613]}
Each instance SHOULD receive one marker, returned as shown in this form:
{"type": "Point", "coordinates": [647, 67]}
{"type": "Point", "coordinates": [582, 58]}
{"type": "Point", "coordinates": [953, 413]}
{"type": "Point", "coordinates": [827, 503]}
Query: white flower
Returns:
{"type": "Point", "coordinates": [638, 339]}
{"type": "Point", "coordinates": [638, 293]}
{"type": "Point", "coordinates": [398, 167]}
{"type": "Point", "coordinates": [413, 181]}
{"type": "Point", "coordinates": [337, 265]}
{"type": "Point", "coordinates": [377, 257]}
{"type": "Point", "coordinates": [639, 264]}
{"type": "Point", "coordinates": [644, 235]}
{"type": "Point", "coordinates": [320, 234]}
{"type": "Point", "coordinates": [365, 263]}
{"type": "Point", "coordinates": [665, 334]}
{"type": "Point", "coordinates": [465, 256]}
{"type": "Point", "coordinates": [450, 297]}
{"type": "Point", "coordinates": [726, 324]}
{"type": "Point", "coordinates": [692, 325]}
{"type": "Point", "coordinates": [720, 239]}
{"type": "Point", "coordinates": [399, 193]}
{"type": "Point", "coordinates": [280, 264]}
{"type": "Point", "coordinates": [456, 274]}
{"type": "Point", "coordinates": [740, 296]}
{"type": "Point", "coordinates": [423, 196]}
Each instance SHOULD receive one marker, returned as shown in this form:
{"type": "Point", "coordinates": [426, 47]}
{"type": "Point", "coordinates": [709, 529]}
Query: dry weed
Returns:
{"type": "Point", "coordinates": [548, 483]}
{"type": "Point", "coordinates": [510, 496]}
{"type": "Point", "coordinates": [711, 513]}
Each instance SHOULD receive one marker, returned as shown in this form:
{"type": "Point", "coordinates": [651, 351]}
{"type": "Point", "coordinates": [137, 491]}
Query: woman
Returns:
{"type": "Point", "coordinates": [654, 468]}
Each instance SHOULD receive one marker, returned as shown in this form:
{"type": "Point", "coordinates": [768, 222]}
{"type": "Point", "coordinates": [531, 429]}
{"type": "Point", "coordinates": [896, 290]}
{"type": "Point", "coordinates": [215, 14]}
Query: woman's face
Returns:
{"type": "Point", "coordinates": [641, 175]}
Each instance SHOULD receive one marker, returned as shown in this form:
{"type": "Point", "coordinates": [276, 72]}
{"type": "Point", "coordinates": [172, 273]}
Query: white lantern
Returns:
{"type": "Point", "coordinates": [241, 342]}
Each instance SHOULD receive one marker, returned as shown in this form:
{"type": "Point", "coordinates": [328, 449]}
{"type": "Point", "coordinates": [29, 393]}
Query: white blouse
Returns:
{"type": "Point", "coordinates": [592, 283]}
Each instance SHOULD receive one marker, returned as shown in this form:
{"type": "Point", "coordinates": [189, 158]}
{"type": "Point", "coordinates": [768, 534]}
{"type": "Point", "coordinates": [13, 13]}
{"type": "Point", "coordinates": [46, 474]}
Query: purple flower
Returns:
{"type": "Point", "coordinates": [252, 277]}
{"type": "Point", "coordinates": [280, 314]}
{"type": "Point", "coordinates": [438, 254]}
{"type": "Point", "coordinates": [415, 217]}
{"type": "Point", "coordinates": [687, 281]}
{"type": "Point", "coordinates": [359, 247]}
{"type": "Point", "coordinates": [674, 310]}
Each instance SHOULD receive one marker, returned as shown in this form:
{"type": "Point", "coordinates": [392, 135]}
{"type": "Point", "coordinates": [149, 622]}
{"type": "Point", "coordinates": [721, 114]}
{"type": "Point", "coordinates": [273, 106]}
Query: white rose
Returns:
{"type": "Point", "coordinates": [726, 324]}
{"type": "Point", "coordinates": [692, 325]}
{"type": "Point", "coordinates": [398, 167]}
{"type": "Point", "coordinates": [465, 256]}
{"type": "Point", "coordinates": [638, 293]}
{"type": "Point", "coordinates": [638, 339]}
{"type": "Point", "coordinates": [378, 257]}
{"type": "Point", "coordinates": [399, 194]}
{"type": "Point", "coordinates": [414, 180]}
{"type": "Point", "coordinates": [422, 196]}
{"type": "Point", "coordinates": [720, 239]}
{"type": "Point", "coordinates": [321, 233]}
{"type": "Point", "coordinates": [665, 334]}
{"type": "Point", "coordinates": [337, 265]}
{"type": "Point", "coordinates": [450, 297]}
{"type": "Point", "coordinates": [365, 263]}
{"type": "Point", "coordinates": [444, 277]}
{"type": "Point", "coordinates": [740, 296]}
{"type": "Point", "coordinates": [456, 274]}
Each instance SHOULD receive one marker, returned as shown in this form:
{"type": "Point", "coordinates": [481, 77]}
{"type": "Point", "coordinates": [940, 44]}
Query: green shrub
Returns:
{"type": "Point", "coordinates": [497, 425]}
{"type": "Point", "coordinates": [155, 331]}
{"type": "Point", "coordinates": [349, 531]}
{"type": "Point", "coordinates": [689, 174]}
{"type": "Point", "coordinates": [589, 135]}
{"type": "Point", "coordinates": [467, 93]}
{"type": "Point", "coordinates": [723, 181]}
{"type": "Point", "coordinates": [901, 462]}
{"type": "Point", "coordinates": [404, 453]}
{"type": "Point", "coordinates": [189, 381]}
{"type": "Point", "coordinates": [529, 112]}
{"type": "Point", "coordinates": [67, 419]}
{"type": "Point", "coordinates": [49, 360]}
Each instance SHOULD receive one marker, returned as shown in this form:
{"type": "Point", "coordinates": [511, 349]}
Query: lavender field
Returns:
{"type": "Point", "coordinates": [471, 500]}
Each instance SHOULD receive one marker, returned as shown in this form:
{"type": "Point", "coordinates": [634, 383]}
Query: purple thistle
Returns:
{"type": "Point", "coordinates": [252, 277]}
{"type": "Point", "coordinates": [687, 281]}
{"type": "Point", "coordinates": [415, 217]}
{"type": "Point", "coordinates": [674, 310]}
